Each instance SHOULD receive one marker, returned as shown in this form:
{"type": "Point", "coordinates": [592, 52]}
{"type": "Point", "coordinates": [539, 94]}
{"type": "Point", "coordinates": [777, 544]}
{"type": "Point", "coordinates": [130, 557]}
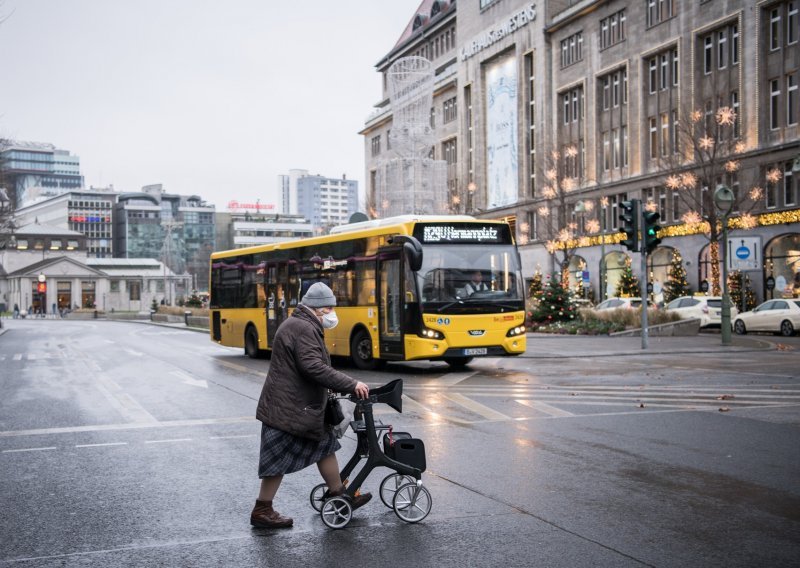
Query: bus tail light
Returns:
{"type": "Point", "coordinates": [428, 333]}
{"type": "Point", "coordinates": [514, 331]}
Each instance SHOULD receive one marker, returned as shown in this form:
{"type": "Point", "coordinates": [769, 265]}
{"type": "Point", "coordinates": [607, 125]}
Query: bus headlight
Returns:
{"type": "Point", "coordinates": [514, 331]}
{"type": "Point", "coordinates": [431, 333]}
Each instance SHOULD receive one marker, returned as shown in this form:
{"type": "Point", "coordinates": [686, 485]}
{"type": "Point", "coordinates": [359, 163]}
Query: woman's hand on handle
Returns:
{"type": "Point", "coordinates": [361, 390]}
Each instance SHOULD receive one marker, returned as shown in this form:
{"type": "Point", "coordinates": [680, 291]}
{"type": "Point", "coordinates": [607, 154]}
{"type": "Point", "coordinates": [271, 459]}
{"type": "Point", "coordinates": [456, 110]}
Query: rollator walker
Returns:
{"type": "Point", "coordinates": [402, 490]}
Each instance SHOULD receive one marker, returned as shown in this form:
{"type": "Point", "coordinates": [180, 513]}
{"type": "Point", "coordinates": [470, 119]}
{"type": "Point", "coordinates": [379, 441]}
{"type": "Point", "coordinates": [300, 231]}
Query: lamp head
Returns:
{"type": "Point", "coordinates": [796, 165]}
{"type": "Point", "coordinates": [723, 199]}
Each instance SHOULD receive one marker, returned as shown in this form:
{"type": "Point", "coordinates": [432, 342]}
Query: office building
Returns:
{"type": "Point", "coordinates": [551, 114]}
{"type": "Point", "coordinates": [30, 170]}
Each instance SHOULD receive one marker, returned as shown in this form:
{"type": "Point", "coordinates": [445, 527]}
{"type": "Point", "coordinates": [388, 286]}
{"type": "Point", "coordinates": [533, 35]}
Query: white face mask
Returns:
{"type": "Point", "coordinates": [330, 320]}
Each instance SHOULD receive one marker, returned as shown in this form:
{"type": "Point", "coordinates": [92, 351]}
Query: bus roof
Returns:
{"type": "Point", "coordinates": [389, 225]}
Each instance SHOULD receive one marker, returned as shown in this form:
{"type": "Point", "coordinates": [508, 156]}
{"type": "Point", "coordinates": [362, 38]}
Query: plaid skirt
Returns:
{"type": "Point", "coordinates": [282, 452]}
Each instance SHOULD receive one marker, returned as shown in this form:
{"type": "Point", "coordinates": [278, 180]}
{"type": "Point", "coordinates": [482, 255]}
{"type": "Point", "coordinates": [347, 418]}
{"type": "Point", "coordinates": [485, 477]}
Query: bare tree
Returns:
{"type": "Point", "coordinates": [707, 148]}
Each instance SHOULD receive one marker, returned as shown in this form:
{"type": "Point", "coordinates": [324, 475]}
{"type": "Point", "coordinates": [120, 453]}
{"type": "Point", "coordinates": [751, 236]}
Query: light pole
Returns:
{"type": "Point", "coordinates": [723, 201]}
{"type": "Point", "coordinates": [471, 187]}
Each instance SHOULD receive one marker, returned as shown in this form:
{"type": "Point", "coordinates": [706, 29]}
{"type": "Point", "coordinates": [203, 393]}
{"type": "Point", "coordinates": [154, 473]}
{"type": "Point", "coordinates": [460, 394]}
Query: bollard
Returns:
{"type": "Point", "coordinates": [186, 315]}
{"type": "Point", "coordinates": [152, 313]}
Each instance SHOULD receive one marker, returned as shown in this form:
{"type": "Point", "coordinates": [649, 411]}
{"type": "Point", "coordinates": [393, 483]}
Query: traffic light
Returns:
{"type": "Point", "coordinates": [630, 223]}
{"type": "Point", "coordinates": [651, 229]}
{"type": "Point", "coordinates": [41, 287]}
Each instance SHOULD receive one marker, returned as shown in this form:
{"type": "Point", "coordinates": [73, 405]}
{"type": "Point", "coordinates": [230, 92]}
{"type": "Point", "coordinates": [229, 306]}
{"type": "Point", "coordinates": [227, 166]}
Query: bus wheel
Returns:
{"type": "Point", "coordinates": [251, 343]}
{"type": "Point", "coordinates": [458, 362]}
{"type": "Point", "coordinates": [361, 351]}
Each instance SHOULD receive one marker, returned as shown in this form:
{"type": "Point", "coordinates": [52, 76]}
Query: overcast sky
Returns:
{"type": "Point", "coordinates": [215, 98]}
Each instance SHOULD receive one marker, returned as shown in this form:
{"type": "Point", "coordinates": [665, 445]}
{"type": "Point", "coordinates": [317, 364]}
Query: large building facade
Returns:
{"type": "Point", "coordinates": [550, 114]}
{"type": "Point", "coordinates": [324, 202]}
{"type": "Point", "coordinates": [31, 169]}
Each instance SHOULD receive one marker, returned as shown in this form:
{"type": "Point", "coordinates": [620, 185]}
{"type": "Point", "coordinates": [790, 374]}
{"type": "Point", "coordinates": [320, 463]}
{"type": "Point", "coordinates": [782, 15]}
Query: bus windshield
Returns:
{"type": "Point", "coordinates": [470, 279]}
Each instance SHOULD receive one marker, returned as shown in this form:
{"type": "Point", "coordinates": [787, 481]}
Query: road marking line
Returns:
{"type": "Point", "coordinates": [101, 445]}
{"type": "Point", "coordinates": [476, 407]}
{"type": "Point", "coordinates": [188, 380]}
{"type": "Point", "coordinates": [452, 379]}
{"type": "Point", "coordinates": [168, 441]}
{"type": "Point", "coordinates": [232, 437]}
{"type": "Point", "coordinates": [127, 426]}
{"type": "Point", "coordinates": [29, 450]}
{"type": "Point", "coordinates": [134, 353]}
{"type": "Point", "coordinates": [240, 368]}
{"type": "Point", "coordinates": [17, 357]}
{"type": "Point", "coordinates": [543, 407]}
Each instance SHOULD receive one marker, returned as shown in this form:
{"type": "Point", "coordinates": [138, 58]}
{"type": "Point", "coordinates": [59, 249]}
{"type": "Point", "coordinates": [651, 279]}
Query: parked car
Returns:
{"type": "Point", "coordinates": [614, 303]}
{"type": "Point", "coordinates": [708, 309]}
{"type": "Point", "coordinates": [777, 316]}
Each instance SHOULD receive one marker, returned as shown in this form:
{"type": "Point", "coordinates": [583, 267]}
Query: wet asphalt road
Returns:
{"type": "Point", "coordinates": [125, 444]}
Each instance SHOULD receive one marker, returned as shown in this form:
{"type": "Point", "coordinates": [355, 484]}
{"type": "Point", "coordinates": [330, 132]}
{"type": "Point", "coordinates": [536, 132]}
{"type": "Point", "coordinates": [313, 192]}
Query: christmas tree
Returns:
{"type": "Point", "coordinates": [735, 291]}
{"type": "Point", "coordinates": [554, 303]}
{"type": "Point", "coordinates": [535, 287]}
{"type": "Point", "coordinates": [628, 285]}
{"type": "Point", "coordinates": [676, 284]}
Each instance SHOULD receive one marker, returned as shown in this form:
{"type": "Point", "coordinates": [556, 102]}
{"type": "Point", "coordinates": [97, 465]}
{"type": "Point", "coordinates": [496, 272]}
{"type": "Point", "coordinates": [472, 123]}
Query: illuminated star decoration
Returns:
{"type": "Point", "coordinates": [726, 116]}
{"type": "Point", "coordinates": [551, 174]}
{"type": "Point", "coordinates": [673, 182]}
{"type": "Point", "coordinates": [588, 205]}
{"type": "Point", "coordinates": [548, 192]}
{"type": "Point", "coordinates": [774, 175]}
{"type": "Point", "coordinates": [696, 116]}
{"type": "Point", "coordinates": [688, 180]}
{"type": "Point", "coordinates": [564, 235]}
{"type": "Point", "coordinates": [651, 206]}
{"type": "Point", "coordinates": [593, 226]}
{"type": "Point", "coordinates": [543, 211]}
{"type": "Point", "coordinates": [692, 218]}
{"type": "Point", "coordinates": [706, 143]}
{"type": "Point", "coordinates": [568, 184]}
{"type": "Point", "coordinates": [740, 147]}
{"type": "Point", "coordinates": [572, 151]}
{"type": "Point", "coordinates": [456, 200]}
{"type": "Point", "coordinates": [731, 166]}
{"type": "Point", "coordinates": [756, 193]}
{"type": "Point", "coordinates": [604, 201]}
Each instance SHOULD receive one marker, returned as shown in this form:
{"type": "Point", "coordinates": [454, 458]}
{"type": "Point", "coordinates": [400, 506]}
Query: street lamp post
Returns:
{"type": "Point", "coordinates": [723, 201]}
{"type": "Point", "coordinates": [471, 187]}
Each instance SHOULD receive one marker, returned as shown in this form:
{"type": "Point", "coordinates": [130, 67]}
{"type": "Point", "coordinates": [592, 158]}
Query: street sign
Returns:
{"type": "Point", "coordinates": [770, 283]}
{"type": "Point", "coordinates": [744, 253]}
{"type": "Point", "coordinates": [585, 279]}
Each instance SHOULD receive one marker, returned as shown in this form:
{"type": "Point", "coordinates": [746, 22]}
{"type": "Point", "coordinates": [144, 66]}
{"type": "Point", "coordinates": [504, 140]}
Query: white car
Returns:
{"type": "Point", "coordinates": [614, 303]}
{"type": "Point", "coordinates": [777, 316]}
{"type": "Point", "coordinates": [708, 309]}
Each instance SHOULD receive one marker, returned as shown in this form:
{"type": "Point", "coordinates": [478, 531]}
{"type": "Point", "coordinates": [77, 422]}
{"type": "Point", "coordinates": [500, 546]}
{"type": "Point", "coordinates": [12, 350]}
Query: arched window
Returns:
{"type": "Point", "coordinates": [577, 264]}
{"type": "Point", "coordinates": [658, 264]}
{"type": "Point", "coordinates": [782, 263]}
{"type": "Point", "coordinates": [419, 21]}
{"type": "Point", "coordinates": [615, 264]}
{"type": "Point", "coordinates": [436, 8]}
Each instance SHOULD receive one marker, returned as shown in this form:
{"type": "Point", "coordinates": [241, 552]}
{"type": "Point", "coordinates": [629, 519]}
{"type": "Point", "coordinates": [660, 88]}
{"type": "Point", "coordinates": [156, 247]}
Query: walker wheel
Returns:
{"type": "Point", "coordinates": [336, 512]}
{"type": "Point", "coordinates": [412, 502]}
{"type": "Point", "coordinates": [389, 486]}
{"type": "Point", "coordinates": [318, 496]}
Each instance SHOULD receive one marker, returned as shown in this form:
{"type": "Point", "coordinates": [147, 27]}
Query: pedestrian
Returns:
{"type": "Point", "coordinates": [16, 311]}
{"type": "Point", "coordinates": [292, 405]}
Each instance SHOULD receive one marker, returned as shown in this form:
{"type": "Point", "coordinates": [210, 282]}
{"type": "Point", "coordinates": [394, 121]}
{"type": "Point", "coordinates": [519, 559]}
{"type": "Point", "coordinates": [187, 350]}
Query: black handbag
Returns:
{"type": "Point", "coordinates": [333, 410]}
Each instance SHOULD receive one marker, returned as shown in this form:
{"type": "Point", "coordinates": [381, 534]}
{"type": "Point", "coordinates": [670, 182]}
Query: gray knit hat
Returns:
{"type": "Point", "coordinates": [319, 296]}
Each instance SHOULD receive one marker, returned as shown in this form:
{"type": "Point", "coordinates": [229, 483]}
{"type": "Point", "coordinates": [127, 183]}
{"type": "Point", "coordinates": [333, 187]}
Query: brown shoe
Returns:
{"type": "Point", "coordinates": [265, 517]}
{"type": "Point", "coordinates": [359, 500]}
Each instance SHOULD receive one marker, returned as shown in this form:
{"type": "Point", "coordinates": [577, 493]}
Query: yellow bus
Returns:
{"type": "Point", "coordinates": [404, 288]}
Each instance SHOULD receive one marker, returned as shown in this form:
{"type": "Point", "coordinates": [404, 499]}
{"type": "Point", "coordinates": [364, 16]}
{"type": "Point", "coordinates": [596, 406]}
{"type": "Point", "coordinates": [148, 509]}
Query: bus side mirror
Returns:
{"type": "Point", "coordinates": [411, 248]}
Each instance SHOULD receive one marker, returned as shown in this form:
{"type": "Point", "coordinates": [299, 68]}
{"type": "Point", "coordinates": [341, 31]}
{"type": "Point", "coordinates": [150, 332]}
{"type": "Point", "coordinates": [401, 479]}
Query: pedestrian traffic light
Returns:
{"type": "Point", "coordinates": [651, 229]}
{"type": "Point", "coordinates": [630, 224]}
{"type": "Point", "coordinates": [41, 287]}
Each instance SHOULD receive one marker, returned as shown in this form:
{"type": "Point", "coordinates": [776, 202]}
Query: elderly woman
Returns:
{"type": "Point", "coordinates": [292, 405]}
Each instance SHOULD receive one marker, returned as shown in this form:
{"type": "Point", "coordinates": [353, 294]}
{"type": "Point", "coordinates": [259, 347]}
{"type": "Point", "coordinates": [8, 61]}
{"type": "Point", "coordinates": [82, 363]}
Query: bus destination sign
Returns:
{"type": "Point", "coordinates": [468, 233]}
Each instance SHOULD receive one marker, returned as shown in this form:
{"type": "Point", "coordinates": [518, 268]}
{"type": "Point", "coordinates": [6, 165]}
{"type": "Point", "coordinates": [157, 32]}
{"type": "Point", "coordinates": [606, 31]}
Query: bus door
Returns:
{"type": "Point", "coordinates": [390, 304]}
{"type": "Point", "coordinates": [276, 298]}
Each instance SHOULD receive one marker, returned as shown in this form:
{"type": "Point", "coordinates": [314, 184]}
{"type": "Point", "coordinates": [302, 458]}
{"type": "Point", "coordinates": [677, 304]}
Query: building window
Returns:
{"type": "Point", "coordinates": [774, 29]}
{"type": "Point", "coordinates": [433, 117]}
{"type": "Point", "coordinates": [450, 110]}
{"type": "Point", "coordinates": [774, 103]}
{"type": "Point", "coordinates": [722, 46]}
{"type": "Point", "coordinates": [468, 119]}
{"type": "Point", "coordinates": [664, 134]}
{"type": "Point", "coordinates": [572, 49]}
{"type": "Point", "coordinates": [788, 185]}
{"type": "Point", "coordinates": [653, 74]}
{"type": "Point", "coordinates": [792, 23]}
{"type": "Point", "coordinates": [376, 145]}
{"type": "Point", "coordinates": [134, 289]}
{"type": "Point", "coordinates": [530, 76]}
{"type": "Point", "coordinates": [606, 88]}
{"type": "Point", "coordinates": [653, 138]}
{"type": "Point", "coordinates": [735, 107]}
{"type": "Point", "coordinates": [735, 44]}
{"type": "Point", "coordinates": [708, 48]}
{"type": "Point", "coordinates": [658, 11]}
{"type": "Point", "coordinates": [113, 285]}
{"type": "Point", "coordinates": [606, 152]}
{"type": "Point", "coordinates": [791, 99]}
{"type": "Point", "coordinates": [449, 151]}
{"type": "Point", "coordinates": [612, 29]}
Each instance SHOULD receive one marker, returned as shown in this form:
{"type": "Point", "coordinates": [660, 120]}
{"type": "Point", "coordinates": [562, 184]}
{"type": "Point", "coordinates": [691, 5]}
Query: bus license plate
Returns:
{"type": "Point", "coordinates": [475, 351]}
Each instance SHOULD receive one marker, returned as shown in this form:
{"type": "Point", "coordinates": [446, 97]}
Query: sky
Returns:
{"type": "Point", "coordinates": [213, 98]}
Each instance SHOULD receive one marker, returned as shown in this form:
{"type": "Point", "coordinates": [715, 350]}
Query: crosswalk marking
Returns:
{"type": "Point", "coordinates": [544, 407]}
{"type": "Point", "coordinates": [476, 407]}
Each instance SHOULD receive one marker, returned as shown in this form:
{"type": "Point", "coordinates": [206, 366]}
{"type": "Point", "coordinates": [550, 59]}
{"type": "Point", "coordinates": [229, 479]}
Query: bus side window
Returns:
{"type": "Point", "coordinates": [365, 282]}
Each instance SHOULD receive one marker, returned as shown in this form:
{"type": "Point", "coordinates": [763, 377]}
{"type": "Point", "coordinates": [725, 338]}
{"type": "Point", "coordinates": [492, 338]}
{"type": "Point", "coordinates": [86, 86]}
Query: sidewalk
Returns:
{"type": "Point", "coordinates": [545, 345]}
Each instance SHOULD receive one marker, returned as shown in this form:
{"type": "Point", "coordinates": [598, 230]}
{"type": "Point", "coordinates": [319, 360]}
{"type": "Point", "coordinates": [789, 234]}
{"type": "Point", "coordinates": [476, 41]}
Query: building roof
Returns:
{"type": "Point", "coordinates": [24, 145]}
{"type": "Point", "coordinates": [422, 16]}
{"type": "Point", "coordinates": [37, 229]}
{"type": "Point", "coordinates": [123, 263]}
{"type": "Point", "coordinates": [42, 264]}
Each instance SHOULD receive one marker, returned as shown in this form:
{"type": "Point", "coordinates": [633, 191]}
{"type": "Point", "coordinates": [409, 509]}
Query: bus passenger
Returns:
{"type": "Point", "coordinates": [475, 284]}
{"type": "Point", "coordinates": [292, 405]}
